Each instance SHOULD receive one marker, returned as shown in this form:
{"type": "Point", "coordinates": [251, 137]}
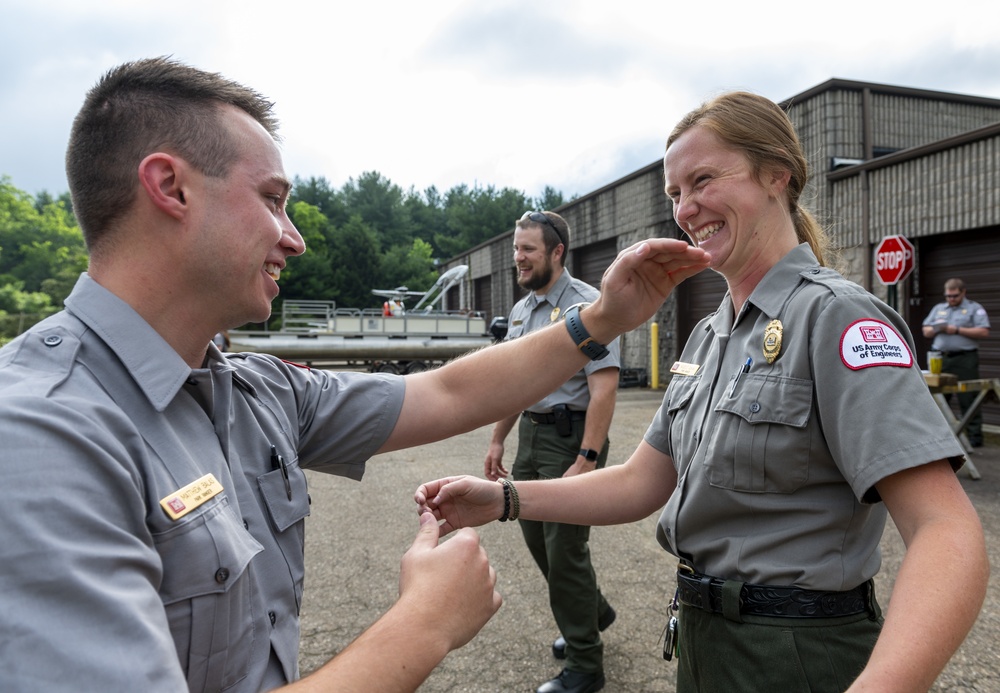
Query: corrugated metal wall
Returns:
{"type": "Point", "coordinates": [923, 195]}
{"type": "Point", "coordinates": [943, 192]}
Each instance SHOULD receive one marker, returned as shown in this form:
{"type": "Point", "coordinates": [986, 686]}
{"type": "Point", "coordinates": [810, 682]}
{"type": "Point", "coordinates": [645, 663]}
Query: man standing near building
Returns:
{"type": "Point", "coordinates": [956, 327]}
{"type": "Point", "coordinates": [564, 434]}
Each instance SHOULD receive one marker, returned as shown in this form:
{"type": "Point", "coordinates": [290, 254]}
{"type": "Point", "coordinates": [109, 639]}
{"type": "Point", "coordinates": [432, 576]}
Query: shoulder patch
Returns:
{"type": "Point", "coordinates": [869, 342]}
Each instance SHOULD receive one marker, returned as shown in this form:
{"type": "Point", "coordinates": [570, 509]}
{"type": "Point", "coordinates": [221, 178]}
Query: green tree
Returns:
{"type": "Point", "coordinates": [354, 258]}
{"type": "Point", "coordinates": [310, 276]}
{"type": "Point", "coordinates": [379, 203]}
{"type": "Point", "coordinates": [318, 193]}
{"type": "Point", "coordinates": [477, 215]}
{"type": "Point", "coordinates": [427, 212]}
{"type": "Point", "coordinates": [13, 299]}
{"type": "Point", "coordinates": [549, 200]}
{"type": "Point", "coordinates": [411, 267]}
{"type": "Point", "coordinates": [40, 247]}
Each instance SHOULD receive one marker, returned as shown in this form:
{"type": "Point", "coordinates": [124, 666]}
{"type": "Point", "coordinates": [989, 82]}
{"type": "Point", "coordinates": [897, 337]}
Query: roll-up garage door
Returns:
{"type": "Point", "coordinates": [483, 300]}
{"type": "Point", "coordinates": [696, 298]}
{"type": "Point", "coordinates": [590, 262]}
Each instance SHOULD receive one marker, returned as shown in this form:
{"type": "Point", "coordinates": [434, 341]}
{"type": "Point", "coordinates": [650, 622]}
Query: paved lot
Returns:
{"type": "Point", "coordinates": [358, 532]}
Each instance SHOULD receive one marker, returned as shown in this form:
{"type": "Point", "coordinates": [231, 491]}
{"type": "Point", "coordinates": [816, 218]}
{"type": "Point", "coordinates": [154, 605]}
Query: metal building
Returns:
{"type": "Point", "coordinates": [885, 160]}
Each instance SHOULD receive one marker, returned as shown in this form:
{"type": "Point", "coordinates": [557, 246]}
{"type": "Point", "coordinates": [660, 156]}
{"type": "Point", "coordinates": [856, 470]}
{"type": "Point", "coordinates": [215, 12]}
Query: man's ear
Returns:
{"type": "Point", "coordinates": [160, 175]}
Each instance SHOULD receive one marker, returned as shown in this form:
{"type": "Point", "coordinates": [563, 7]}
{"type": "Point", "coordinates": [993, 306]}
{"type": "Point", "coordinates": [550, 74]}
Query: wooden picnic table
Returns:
{"type": "Point", "coordinates": [943, 384]}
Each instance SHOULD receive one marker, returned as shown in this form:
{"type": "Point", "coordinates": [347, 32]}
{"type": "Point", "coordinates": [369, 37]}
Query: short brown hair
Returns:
{"type": "Point", "coordinates": [554, 232]}
{"type": "Point", "coordinates": [141, 107]}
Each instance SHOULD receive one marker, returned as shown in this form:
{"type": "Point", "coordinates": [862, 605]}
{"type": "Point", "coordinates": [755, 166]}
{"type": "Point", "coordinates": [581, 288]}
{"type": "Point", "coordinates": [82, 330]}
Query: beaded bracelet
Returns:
{"type": "Point", "coordinates": [511, 502]}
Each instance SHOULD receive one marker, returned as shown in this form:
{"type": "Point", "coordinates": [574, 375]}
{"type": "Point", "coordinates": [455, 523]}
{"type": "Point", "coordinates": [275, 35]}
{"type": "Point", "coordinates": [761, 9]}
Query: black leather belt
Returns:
{"type": "Point", "coordinates": [551, 418]}
{"type": "Point", "coordinates": [704, 592]}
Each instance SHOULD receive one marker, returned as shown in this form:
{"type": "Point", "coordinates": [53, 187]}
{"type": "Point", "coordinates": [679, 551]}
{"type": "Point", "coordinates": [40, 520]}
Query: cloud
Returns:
{"type": "Point", "coordinates": [522, 41]}
{"type": "Point", "coordinates": [567, 93]}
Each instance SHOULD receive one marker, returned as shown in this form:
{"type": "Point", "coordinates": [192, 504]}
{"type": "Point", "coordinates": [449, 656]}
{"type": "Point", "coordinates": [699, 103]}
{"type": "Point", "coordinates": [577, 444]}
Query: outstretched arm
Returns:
{"type": "Point", "coordinates": [613, 495]}
{"type": "Point", "coordinates": [446, 595]}
{"type": "Point", "coordinates": [498, 381]}
{"type": "Point", "coordinates": [928, 617]}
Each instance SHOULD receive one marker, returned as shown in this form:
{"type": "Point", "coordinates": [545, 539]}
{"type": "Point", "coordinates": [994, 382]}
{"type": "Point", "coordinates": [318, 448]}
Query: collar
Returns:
{"type": "Point", "coordinates": [774, 289]}
{"type": "Point", "coordinates": [157, 369]}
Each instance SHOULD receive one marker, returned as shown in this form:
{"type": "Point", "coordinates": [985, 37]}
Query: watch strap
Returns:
{"type": "Point", "coordinates": [590, 455]}
{"type": "Point", "coordinates": [584, 342]}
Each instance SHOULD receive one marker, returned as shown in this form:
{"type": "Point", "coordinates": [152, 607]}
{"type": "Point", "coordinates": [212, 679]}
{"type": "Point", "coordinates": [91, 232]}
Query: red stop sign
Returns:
{"type": "Point", "coordinates": [893, 259]}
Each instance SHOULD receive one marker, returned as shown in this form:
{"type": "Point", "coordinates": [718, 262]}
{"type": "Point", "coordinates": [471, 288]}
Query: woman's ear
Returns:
{"type": "Point", "coordinates": [777, 181]}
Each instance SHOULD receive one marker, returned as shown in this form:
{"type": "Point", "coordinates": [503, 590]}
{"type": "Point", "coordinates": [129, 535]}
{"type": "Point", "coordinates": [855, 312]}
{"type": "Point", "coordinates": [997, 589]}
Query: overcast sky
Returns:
{"type": "Point", "coordinates": [511, 93]}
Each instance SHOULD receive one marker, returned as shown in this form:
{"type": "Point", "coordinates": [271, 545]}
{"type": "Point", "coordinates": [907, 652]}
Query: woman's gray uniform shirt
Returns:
{"type": "Point", "coordinates": [99, 421]}
{"type": "Point", "coordinates": [776, 476]}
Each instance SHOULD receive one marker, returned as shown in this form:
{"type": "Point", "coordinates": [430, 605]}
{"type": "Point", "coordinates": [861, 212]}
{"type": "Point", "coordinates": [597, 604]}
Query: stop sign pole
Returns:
{"type": "Point", "coordinates": [893, 263]}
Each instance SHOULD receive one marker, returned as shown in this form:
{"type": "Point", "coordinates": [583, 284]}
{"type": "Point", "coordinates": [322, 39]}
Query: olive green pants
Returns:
{"type": "Point", "coordinates": [561, 551]}
{"type": "Point", "coordinates": [790, 655]}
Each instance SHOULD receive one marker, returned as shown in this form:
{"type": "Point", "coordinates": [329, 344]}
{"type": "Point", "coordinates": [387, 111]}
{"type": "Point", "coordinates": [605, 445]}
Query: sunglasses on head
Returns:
{"type": "Point", "coordinates": [540, 218]}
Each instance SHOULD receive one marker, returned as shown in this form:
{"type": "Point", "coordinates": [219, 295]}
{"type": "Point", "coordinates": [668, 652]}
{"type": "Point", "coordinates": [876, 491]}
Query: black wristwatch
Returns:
{"type": "Point", "coordinates": [584, 342]}
{"type": "Point", "coordinates": [590, 455]}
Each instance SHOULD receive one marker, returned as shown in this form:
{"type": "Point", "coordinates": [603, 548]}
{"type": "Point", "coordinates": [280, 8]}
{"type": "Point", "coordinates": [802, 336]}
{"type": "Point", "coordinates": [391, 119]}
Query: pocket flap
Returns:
{"type": "Point", "coordinates": [770, 399]}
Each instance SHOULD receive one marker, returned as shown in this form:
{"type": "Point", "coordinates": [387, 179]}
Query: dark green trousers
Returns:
{"type": "Point", "coordinates": [965, 365]}
{"type": "Point", "coordinates": [809, 655]}
{"type": "Point", "coordinates": [561, 551]}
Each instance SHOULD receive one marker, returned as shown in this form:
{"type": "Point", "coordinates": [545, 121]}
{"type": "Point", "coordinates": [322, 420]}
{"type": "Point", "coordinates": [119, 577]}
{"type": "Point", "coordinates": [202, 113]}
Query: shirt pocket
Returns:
{"type": "Point", "coordinates": [286, 505]}
{"type": "Point", "coordinates": [676, 400]}
{"type": "Point", "coordinates": [207, 593]}
{"type": "Point", "coordinates": [762, 441]}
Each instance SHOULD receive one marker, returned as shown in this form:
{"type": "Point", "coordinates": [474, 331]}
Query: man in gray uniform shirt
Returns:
{"type": "Point", "coordinates": [956, 326]}
{"type": "Point", "coordinates": [564, 434]}
{"type": "Point", "coordinates": [154, 499]}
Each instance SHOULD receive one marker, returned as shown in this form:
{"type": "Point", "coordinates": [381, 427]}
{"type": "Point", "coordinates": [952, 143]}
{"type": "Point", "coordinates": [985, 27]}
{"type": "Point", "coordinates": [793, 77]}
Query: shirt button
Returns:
{"type": "Point", "coordinates": [53, 340]}
{"type": "Point", "coordinates": [755, 407]}
{"type": "Point", "coordinates": [246, 525]}
{"type": "Point", "coordinates": [273, 616]}
{"type": "Point", "coordinates": [221, 575]}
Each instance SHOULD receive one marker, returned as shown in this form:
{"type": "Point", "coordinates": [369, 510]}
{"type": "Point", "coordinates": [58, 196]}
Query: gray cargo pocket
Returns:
{"type": "Point", "coordinates": [762, 440]}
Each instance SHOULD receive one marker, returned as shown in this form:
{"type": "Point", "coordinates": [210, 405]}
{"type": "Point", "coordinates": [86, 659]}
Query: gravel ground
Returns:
{"type": "Point", "coordinates": [358, 532]}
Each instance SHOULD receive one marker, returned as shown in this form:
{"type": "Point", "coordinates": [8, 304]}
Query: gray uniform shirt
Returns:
{"type": "Point", "coordinates": [776, 474]}
{"type": "Point", "coordinates": [965, 314]}
{"type": "Point", "coordinates": [101, 420]}
{"type": "Point", "coordinates": [532, 313]}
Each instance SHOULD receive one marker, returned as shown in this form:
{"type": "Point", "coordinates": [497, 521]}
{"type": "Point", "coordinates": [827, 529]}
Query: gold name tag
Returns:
{"type": "Point", "coordinates": [180, 503]}
{"type": "Point", "coordinates": [684, 368]}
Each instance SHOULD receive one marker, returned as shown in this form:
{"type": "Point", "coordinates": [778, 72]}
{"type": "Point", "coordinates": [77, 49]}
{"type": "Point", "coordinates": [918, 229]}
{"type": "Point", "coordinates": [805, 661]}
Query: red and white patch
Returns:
{"type": "Point", "coordinates": [868, 342]}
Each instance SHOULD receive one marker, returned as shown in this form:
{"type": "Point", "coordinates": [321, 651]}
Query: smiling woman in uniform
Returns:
{"type": "Point", "coordinates": [773, 457]}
